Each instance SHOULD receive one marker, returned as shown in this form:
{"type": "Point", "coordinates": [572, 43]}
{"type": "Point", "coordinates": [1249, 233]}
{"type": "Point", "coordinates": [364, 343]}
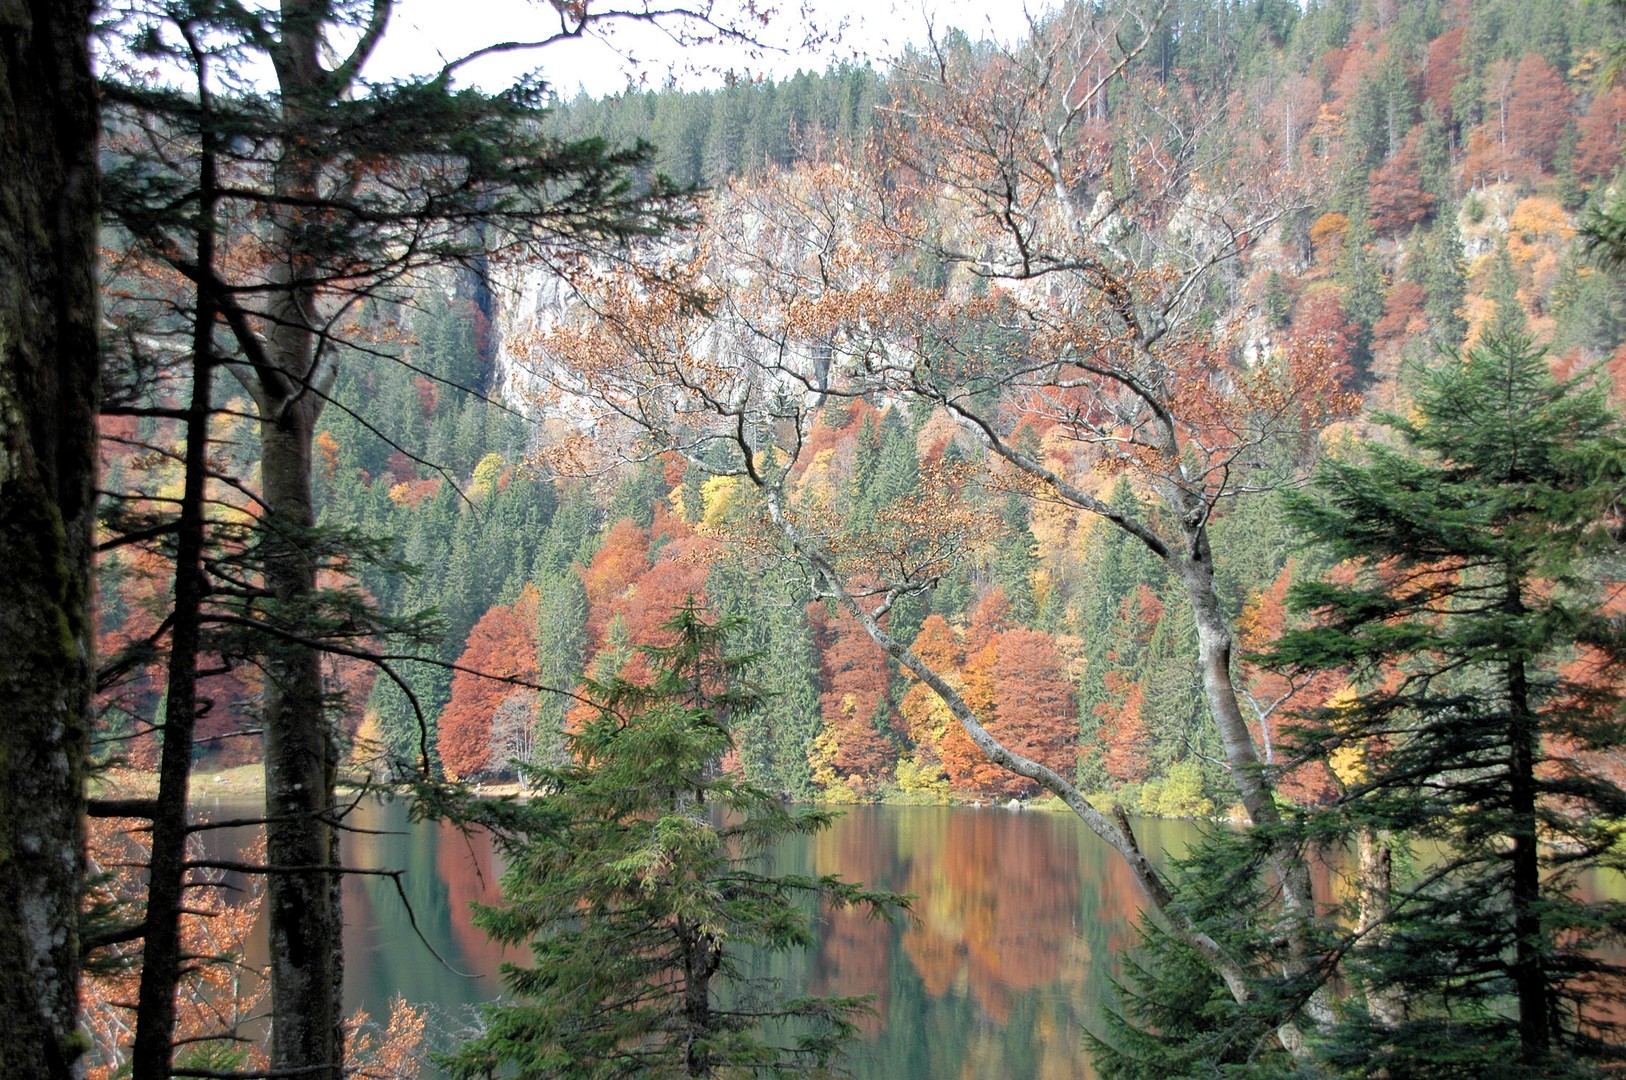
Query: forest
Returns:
{"type": "Point", "coordinates": [1201, 409]}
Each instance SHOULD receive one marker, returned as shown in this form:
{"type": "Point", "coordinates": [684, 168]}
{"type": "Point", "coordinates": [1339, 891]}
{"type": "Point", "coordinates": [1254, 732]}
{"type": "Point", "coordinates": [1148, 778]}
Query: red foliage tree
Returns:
{"type": "Point", "coordinates": [1395, 196]}
{"type": "Point", "coordinates": [677, 573]}
{"type": "Point", "coordinates": [327, 453]}
{"type": "Point", "coordinates": [926, 721]}
{"type": "Point", "coordinates": [428, 394]}
{"type": "Point", "coordinates": [853, 679]}
{"type": "Point", "coordinates": [1019, 683]}
{"type": "Point", "coordinates": [1442, 68]}
{"type": "Point", "coordinates": [1320, 322]}
{"type": "Point", "coordinates": [1402, 314]}
{"type": "Point", "coordinates": [990, 618]}
{"type": "Point", "coordinates": [619, 562]}
{"type": "Point", "coordinates": [402, 469]}
{"type": "Point", "coordinates": [1538, 108]}
{"type": "Point", "coordinates": [502, 643]}
{"type": "Point", "coordinates": [1275, 698]}
{"type": "Point", "coordinates": [1123, 735]}
{"type": "Point", "coordinates": [825, 436]}
{"type": "Point", "coordinates": [1122, 738]}
{"type": "Point", "coordinates": [1527, 108]}
{"type": "Point", "coordinates": [937, 645]}
{"type": "Point", "coordinates": [1601, 132]}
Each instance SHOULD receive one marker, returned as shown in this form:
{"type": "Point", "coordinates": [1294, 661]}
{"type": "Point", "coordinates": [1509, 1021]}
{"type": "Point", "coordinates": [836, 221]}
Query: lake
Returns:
{"type": "Point", "coordinates": [1005, 962]}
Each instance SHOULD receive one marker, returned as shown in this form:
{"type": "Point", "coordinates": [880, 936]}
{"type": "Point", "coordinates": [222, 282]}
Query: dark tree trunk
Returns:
{"type": "Point", "coordinates": [49, 393]}
{"type": "Point", "coordinates": [304, 889]}
{"type": "Point", "coordinates": [161, 957]}
{"type": "Point", "coordinates": [1529, 944]}
{"type": "Point", "coordinates": [300, 769]}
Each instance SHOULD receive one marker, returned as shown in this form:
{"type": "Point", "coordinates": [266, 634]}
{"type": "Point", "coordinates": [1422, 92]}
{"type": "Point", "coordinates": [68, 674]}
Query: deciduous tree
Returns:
{"type": "Point", "coordinates": [502, 644]}
{"type": "Point", "coordinates": [1076, 315]}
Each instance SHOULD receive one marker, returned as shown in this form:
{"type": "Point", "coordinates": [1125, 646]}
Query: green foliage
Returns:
{"type": "Point", "coordinates": [634, 883]}
{"type": "Point", "coordinates": [1488, 671]}
{"type": "Point", "coordinates": [1444, 280]}
{"type": "Point", "coordinates": [1182, 795]}
{"type": "Point", "coordinates": [710, 136]}
{"type": "Point", "coordinates": [1172, 1015]}
{"type": "Point", "coordinates": [1173, 1018]}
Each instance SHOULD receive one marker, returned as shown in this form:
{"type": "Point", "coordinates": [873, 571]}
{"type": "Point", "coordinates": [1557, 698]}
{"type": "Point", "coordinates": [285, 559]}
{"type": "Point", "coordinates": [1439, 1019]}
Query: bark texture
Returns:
{"type": "Point", "coordinates": [49, 392]}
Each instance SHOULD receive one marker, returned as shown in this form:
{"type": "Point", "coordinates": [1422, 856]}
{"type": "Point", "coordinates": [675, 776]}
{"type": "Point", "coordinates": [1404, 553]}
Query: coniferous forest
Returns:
{"type": "Point", "coordinates": [1198, 409]}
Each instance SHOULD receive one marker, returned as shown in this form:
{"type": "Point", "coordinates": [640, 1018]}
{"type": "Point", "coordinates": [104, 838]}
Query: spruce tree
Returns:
{"type": "Point", "coordinates": [636, 882]}
{"type": "Point", "coordinates": [1487, 668]}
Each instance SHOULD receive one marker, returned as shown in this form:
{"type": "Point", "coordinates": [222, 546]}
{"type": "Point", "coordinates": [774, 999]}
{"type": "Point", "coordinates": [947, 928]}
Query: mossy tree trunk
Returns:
{"type": "Point", "coordinates": [49, 391]}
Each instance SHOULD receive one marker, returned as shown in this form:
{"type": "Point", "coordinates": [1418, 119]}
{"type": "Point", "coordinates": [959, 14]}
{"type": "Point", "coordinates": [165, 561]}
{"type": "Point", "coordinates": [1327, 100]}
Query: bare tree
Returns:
{"type": "Point", "coordinates": [1011, 259]}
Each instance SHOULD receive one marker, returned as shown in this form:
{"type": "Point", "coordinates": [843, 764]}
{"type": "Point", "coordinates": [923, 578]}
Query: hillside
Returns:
{"type": "Point", "coordinates": [1416, 173]}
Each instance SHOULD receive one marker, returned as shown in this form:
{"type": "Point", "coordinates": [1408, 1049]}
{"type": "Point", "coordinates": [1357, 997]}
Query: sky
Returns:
{"type": "Point", "coordinates": [425, 33]}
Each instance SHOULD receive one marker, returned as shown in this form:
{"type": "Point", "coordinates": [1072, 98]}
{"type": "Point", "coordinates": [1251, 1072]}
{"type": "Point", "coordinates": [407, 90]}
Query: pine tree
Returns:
{"type": "Point", "coordinates": [1488, 670]}
{"type": "Point", "coordinates": [635, 883]}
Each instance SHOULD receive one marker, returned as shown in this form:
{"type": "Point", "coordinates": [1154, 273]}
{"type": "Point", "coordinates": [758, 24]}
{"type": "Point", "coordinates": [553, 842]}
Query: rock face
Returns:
{"type": "Point", "coordinates": [746, 231]}
{"type": "Point", "coordinates": [530, 298]}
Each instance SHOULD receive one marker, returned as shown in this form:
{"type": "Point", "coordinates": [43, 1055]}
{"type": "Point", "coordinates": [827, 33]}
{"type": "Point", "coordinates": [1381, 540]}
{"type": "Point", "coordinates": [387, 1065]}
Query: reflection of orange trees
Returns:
{"type": "Point", "coordinates": [999, 902]}
{"type": "Point", "coordinates": [855, 951]}
{"type": "Point", "coordinates": [466, 863]}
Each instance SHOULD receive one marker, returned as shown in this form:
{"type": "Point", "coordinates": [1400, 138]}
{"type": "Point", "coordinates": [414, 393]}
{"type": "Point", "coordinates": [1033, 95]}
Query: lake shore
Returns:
{"type": "Point", "coordinates": [248, 781]}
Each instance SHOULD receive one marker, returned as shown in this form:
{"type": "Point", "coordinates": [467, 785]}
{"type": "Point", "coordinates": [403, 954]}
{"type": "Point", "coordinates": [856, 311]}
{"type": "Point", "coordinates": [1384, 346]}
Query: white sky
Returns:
{"type": "Point", "coordinates": [423, 32]}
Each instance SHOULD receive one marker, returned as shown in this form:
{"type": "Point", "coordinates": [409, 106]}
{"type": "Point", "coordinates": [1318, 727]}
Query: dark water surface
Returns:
{"type": "Point", "coordinates": [1005, 962]}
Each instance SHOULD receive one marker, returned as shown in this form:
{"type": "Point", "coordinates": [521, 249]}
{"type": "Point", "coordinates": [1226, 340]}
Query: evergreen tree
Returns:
{"type": "Point", "coordinates": [1015, 560]}
{"type": "Point", "coordinates": [1508, 320]}
{"type": "Point", "coordinates": [1362, 279]}
{"type": "Point", "coordinates": [1445, 282]}
{"type": "Point", "coordinates": [561, 650]}
{"type": "Point", "coordinates": [635, 883]}
{"type": "Point", "coordinates": [1488, 670]}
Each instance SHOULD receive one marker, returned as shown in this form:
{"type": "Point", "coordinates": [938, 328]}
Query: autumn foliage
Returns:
{"type": "Point", "coordinates": [855, 703]}
{"type": "Point", "coordinates": [502, 646]}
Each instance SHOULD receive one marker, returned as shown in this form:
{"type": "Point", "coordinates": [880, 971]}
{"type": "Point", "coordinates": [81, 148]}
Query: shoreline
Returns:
{"type": "Point", "coordinates": [248, 781]}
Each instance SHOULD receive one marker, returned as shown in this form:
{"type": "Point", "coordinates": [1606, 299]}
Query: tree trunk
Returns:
{"type": "Point", "coordinates": [49, 394]}
{"type": "Point", "coordinates": [161, 958]}
{"type": "Point", "coordinates": [1529, 945]}
{"type": "Point", "coordinates": [301, 760]}
{"type": "Point", "coordinates": [304, 891]}
{"type": "Point", "coordinates": [1214, 645]}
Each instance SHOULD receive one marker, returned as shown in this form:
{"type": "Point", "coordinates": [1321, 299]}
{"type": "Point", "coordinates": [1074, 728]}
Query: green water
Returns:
{"type": "Point", "coordinates": [1002, 966]}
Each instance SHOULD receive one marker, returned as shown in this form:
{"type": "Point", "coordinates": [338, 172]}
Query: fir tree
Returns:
{"type": "Point", "coordinates": [1488, 670]}
{"type": "Point", "coordinates": [635, 884]}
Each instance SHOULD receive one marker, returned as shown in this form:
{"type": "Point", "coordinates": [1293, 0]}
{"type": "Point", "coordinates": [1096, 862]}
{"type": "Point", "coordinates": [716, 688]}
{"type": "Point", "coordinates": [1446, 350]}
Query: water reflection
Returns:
{"type": "Point", "coordinates": [1005, 961]}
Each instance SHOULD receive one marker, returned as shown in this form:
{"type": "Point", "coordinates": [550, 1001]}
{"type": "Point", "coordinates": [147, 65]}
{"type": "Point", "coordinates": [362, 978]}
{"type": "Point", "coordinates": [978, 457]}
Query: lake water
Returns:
{"type": "Point", "coordinates": [1004, 963]}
